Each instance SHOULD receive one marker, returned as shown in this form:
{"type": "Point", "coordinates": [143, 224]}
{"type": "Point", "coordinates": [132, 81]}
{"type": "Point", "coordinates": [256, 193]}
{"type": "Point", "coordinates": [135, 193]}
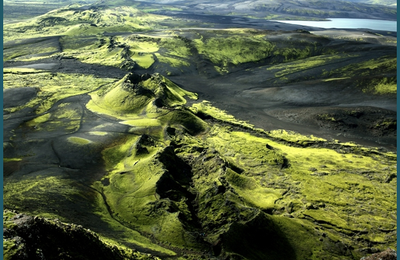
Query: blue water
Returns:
{"type": "Point", "coordinates": [346, 23]}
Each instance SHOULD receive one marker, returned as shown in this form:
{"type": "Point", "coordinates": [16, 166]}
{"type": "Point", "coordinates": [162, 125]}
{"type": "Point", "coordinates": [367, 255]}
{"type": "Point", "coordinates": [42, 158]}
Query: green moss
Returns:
{"type": "Point", "coordinates": [327, 217]}
{"type": "Point", "coordinates": [136, 189]}
{"type": "Point", "coordinates": [178, 94]}
{"type": "Point", "coordinates": [126, 101]}
{"type": "Point", "coordinates": [174, 62]}
{"type": "Point", "coordinates": [142, 122]}
{"type": "Point", "coordinates": [334, 79]}
{"type": "Point", "coordinates": [114, 155]}
{"type": "Point", "coordinates": [326, 117]}
{"type": "Point", "coordinates": [12, 159]}
{"type": "Point", "coordinates": [99, 133]}
{"type": "Point", "coordinates": [38, 120]}
{"type": "Point", "coordinates": [220, 70]}
{"type": "Point", "coordinates": [79, 140]}
{"type": "Point", "coordinates": [142, 43]}
{"type": "Point", "coordinates": [386, 89]}
{"type": "Point", "coordinates": [20, 71]}
{"type": "Point", "coordinates": [126, 235]}
{"type": "Point", "coordinates": [52, 87]}
{"type": "Point", "coordinates": [335, 167]}
{"type": "Point", "coordinates": [30, 50]}
{"type": "Point", "coordinates": [368, 67]}
{"type": "Point", "coordinates": [234, 49]}
{"type": "Point", "coordinates": [40, 191]}
{"type": "Point", "coordinates": [68, 21]}
{"type": "Point", "coordinates": [206, 108]}
{"type": "Point", "coordinates": [185, 119]}
{"type": "Point", "coordinates": [10, 249]}
{"type": "Point", "coordinates": [305, 62]}
{"type": "Point", "coordinates": [294, 137]}
{"type": "Point", "coordinates": [293, 53]}
{"type": "Point", "coordinates": [66, 117]}
{"type": "Point", "coordinates": [386, 86]}
{"type": "Point", "coordinates": [144, 60]}
{"type": "Point", "coordinates": [176, 46]}
{"type": "Point", "coordinates": [386, 123]}
{"type": "Point", "coordinates": [119, 100]}
{"type": "Point", "coordinates": [248, 188]}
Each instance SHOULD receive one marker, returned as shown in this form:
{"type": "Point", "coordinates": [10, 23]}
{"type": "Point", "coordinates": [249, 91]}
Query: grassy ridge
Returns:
{"type": "Point", "coordinates": [78, 20]}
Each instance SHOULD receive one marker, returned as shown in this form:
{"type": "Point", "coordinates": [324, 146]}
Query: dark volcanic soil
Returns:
{"type": "Point", "coordinates": [303, 117]}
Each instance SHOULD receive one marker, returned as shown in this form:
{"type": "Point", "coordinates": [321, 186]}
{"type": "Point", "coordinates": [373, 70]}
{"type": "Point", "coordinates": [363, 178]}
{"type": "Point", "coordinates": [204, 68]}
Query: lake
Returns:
{"type": "Point", "coordinates": [346, 23]}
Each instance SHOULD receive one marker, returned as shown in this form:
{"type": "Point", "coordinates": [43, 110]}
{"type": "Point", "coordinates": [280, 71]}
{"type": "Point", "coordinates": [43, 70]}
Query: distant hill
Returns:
{"type": "Point", "coordinates": [298, 10]}
{"type": "Point", "coordinates": [377, 2]}
{"type": "Point", "coordinates": [260, 9]}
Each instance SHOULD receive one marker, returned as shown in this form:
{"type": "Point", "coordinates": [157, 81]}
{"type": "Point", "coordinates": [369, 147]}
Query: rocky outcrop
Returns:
{"type": "Point", "coordinates": [26, 237]}
{"type": "Point", "coordinates": [388, 254]}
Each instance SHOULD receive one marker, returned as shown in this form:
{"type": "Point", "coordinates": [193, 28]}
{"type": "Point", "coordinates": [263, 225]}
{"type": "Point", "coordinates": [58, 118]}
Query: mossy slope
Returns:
{"type": "Point", "coordinates": [178, 184]}
{"type": "Point", "coordinates": [225, 184]}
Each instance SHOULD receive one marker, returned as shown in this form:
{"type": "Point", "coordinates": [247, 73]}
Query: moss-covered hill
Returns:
{"type": "Point", "coordinates": [97, 134]}
{"type": "Point", "coordinates": [141, 168]}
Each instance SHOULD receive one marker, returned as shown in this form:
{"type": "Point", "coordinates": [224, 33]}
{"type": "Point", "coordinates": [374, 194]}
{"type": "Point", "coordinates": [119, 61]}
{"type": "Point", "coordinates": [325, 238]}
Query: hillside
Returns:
{"type": "Point", "coordinates": [172, 138]}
